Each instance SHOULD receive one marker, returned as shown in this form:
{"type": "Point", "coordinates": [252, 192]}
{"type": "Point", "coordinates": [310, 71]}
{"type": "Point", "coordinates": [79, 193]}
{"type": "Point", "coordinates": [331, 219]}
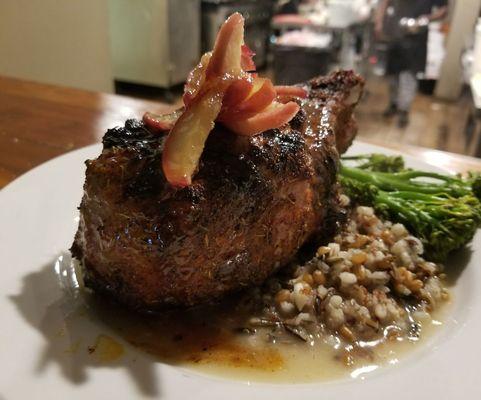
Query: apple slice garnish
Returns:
{"type": "Point", "coordinates": [223, 87]}
{"type": "Point", "coordinates": [262, 94]}
{"type": "Point", "coordinates": [161, 123]}
{"type": "Point", "coordinates": [287, 93]}
{"type": "Point", "coordinates": [247, 62]}
{"type": "Point", "coordinates": [196, 79]}
{"type": "Point", "coordinates": [185, 143]}
{"type": "Point", "coordinates": [237, 92]}
{"type": "Point", "coordinates": [226, 56]}
{"type": "Point", "coordinates": [274, 116]}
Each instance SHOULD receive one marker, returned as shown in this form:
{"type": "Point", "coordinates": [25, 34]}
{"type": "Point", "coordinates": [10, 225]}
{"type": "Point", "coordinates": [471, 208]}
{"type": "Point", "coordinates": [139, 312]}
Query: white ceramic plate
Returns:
{"type": "Point", "coordinates": [43, 339]}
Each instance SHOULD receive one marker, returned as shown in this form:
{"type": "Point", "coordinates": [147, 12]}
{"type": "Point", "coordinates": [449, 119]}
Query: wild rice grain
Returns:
{"type": "Point", "coordinates": [358, 286]}
{"type": "Point", "coordinates": [347, 278]}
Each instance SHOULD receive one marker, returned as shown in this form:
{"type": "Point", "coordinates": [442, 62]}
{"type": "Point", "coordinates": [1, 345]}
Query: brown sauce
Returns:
{"type": "Point", "coordinates": [106, 349]}
{"type": "Point", "coordinates": [215, 340]}
{"type": "Point", "coordinates": [197, 336]}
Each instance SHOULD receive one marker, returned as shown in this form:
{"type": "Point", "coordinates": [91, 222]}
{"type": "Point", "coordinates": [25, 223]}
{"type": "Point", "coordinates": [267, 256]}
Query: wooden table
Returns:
{"type": "Point", "coordinates": [39, 122]}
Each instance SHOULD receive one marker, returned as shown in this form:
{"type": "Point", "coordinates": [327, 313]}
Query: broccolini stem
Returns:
{"type": "Point", "coordinates": [401, 181]}
{"type": "Point", "coordinates": [405, 209]}
{"type": "Point", "coordinates": [424, 174]}
{"type": "Point", "coordinates": [359, 157]}
{"type": "Point", "coordinates": [418, 196]}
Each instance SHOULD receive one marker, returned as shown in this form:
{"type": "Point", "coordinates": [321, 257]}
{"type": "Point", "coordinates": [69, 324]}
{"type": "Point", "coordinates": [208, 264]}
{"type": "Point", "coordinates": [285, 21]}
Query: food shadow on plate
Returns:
{"type": "Point", "coordinates": [457, 262]}
{"type": "Point", "coordinates": [76, 337]}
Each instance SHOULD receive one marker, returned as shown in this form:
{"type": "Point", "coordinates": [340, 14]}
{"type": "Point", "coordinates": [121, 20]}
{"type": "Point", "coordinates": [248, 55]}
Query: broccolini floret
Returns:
{"type": "Point", "coordinates": [443, 211]}
{"type": "Point", "coordinates": [378, 162]}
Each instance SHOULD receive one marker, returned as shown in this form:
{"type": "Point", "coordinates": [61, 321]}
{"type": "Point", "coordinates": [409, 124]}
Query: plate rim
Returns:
{"type": "Point", "coordinates": [313, 387]}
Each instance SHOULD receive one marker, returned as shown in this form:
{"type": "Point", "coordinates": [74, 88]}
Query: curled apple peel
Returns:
{"type": "Point", "coordinates": [222, 87]}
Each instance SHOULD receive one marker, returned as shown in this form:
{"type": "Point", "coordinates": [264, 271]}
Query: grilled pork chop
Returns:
{"type": "Point", "coordinates": [253, 203]}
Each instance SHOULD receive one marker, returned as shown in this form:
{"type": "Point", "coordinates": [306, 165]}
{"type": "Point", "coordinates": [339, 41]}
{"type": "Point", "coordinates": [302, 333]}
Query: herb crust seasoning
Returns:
{"type": "Point", "coordinates": [369, 286]}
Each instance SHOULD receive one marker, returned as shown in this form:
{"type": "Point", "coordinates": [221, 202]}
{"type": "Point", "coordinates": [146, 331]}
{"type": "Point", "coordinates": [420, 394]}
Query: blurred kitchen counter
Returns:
{"type": "Point", "coordinates": [39, 122]}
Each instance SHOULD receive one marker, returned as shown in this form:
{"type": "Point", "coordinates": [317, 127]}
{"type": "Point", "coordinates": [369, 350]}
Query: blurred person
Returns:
{"type": "Point", "coordinates": [403, 24]}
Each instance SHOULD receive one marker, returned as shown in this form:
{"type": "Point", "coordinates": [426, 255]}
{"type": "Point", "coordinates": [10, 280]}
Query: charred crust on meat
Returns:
{"type": "Point", "coordinates": [337, 82]}
{"type": "Point", "coordinates": [148, 180]}
{"type": "Point", "coordinates": [298, 120]}
{"type": "Point", "coordinates": [134, 136]}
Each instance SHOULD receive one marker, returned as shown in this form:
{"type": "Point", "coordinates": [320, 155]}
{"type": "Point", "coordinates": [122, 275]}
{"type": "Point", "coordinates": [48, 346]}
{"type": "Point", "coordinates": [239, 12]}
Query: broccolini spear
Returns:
{"type": "Point", "coordinates": [443, 211]}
